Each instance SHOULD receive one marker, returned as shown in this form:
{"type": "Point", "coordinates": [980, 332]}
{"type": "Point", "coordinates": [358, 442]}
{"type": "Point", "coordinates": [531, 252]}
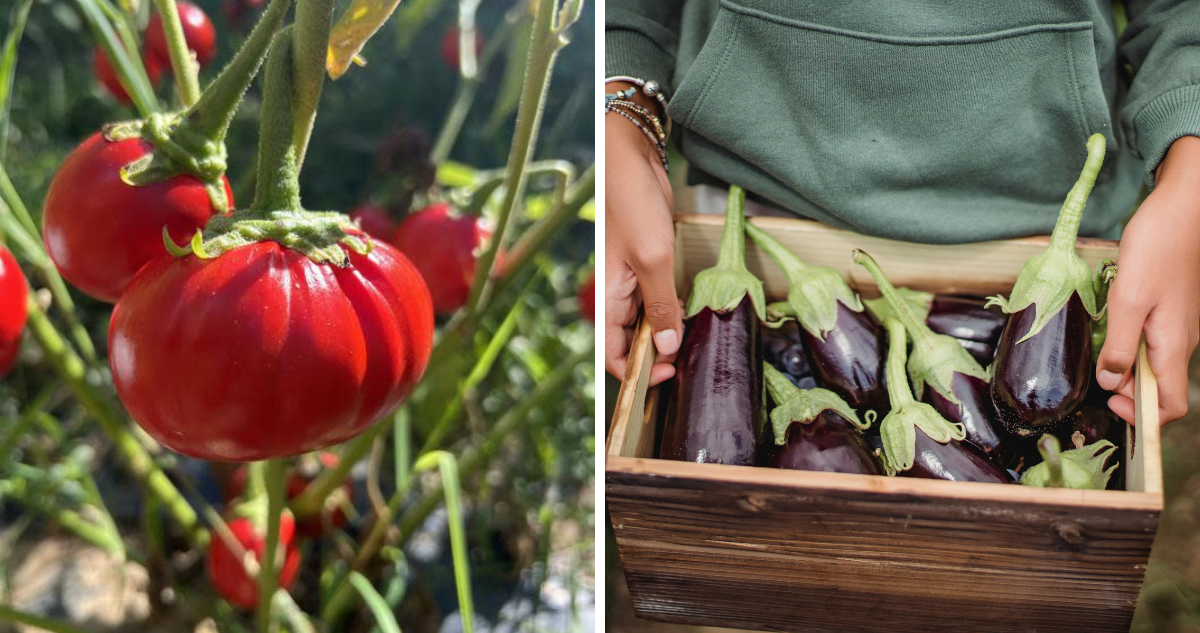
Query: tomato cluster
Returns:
{"type": "Point", "coordinates": [13, 309]}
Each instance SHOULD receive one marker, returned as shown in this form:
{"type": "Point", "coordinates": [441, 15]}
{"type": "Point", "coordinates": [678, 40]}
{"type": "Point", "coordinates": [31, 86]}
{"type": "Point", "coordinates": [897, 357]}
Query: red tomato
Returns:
{"type": "Point", "coordinates": [228, 574]}
{"type": "Point", "coordinates": [104, 72]}
{"type": "Point", "coordinates": [450, 47]}
{"type": "Point", "coordinates": [99, 231]}
{"type": "Point", "coordinates": [262, 353]}
{"type": "Point", "coordinates": [13, 309]}
{"type": "Point", "coordinates": [375, 220]}
{"type": "Point", "coordinates": [309, 527]}
{"type": "Point", "coordinates": [198, 32]}
{"type": "Point", "coordinates": [444, 247]}
{"type": "Point", "coordinates": [587, 299]}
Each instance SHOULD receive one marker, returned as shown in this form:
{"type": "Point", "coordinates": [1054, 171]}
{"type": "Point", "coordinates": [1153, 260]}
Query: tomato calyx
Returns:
{"type": "Point", "coordinates": [322, 236]}
{"type": "Point", "coordinates": [178, 149]}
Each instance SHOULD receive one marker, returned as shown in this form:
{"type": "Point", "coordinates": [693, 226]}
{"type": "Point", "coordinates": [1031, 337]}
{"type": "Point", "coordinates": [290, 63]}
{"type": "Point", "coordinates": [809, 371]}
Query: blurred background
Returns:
{"type": "Point", "coordinates": [529, 511]}
{"type": "Point", "coordinates": [1170, 597]}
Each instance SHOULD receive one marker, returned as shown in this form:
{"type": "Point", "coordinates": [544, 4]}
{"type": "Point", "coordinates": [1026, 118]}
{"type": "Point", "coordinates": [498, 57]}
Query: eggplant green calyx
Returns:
{"type": "Point", "coordinates": [1047, 280]}
{"type": "Point", "coordinates": [323, 236]}
{"type": "Point", "coordinates": [1106, 272]}
{"type": "Point", "coordinates": [917, 301]}
{"type": "Point", "coordinates": [722, 287]}
{"type": "Point", "coordinates": [1080, 468]}
{"type": "Point", "coordinates": [802, 405]}
{"type": "Point", "coordinates": [813, 291]}
{"type": "Point", "coordinates": [899, 427]}
{"type": "Point", "coordinates": [935, 357]}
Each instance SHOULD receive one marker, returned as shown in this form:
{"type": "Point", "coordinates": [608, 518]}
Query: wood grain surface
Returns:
{"type": "Point", "coordinates": [777, 550]}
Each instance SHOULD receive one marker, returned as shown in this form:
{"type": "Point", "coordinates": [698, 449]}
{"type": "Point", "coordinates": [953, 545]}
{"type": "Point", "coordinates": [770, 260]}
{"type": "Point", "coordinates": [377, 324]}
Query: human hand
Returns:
{"type": "Point", "coordinates": [639, 247]}
{"type": "Point", "coordinates": [1157, 288]}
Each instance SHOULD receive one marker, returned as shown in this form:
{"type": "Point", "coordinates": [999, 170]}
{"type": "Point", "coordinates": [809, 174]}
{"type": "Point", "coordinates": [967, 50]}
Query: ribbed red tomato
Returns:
{"type": "Point", "coordinates": [444, 246]}
{"type": "Point", "coordinates": [587, 299]}
{"type": "Point", "coordinates": [375, 220]}
{"type": "Point", "coordinates": [104, 72]}
{"type": "Point", "coordinates": [308, 527]}
{"type": "Point", "coordinates": [262, 353]}
{"type": "Point", "coordinates": [198, 32]}
{"type": "Point", "coordinates": [228, 574]}
{"type": "Point", "coordinates": [99, 231]}
{"type": "Point", "coordinates": [14, 294]}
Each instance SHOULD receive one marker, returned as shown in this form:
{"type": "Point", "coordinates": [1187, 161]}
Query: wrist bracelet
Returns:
{"type": "Point", "coordinates": [650, 89]}
{"type": "Point", "coordinates": [659, 144]}
{"type": "Point", "coordinates": [647, 116]}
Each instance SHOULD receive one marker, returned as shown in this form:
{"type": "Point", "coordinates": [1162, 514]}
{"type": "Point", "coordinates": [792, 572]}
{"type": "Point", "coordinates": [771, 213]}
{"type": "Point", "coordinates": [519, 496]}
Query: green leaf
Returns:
{"type": "Point", "coordinates": [361, 20]}
{"type": "Point", "coordinates": [587, 212]}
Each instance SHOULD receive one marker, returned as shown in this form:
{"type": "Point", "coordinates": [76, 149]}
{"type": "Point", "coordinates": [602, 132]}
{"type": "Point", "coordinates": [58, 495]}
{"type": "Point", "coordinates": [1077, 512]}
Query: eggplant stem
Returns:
{"type": "Point", "coordinates": [897, 380]}
{"type": "Point", "coordinates": [1066, 228]}
{"type": "Point", "coordinates": [1052, 456]}
{"type": "Point", "coordinates": [915, 326]}
{"type": "Point", "coordinates": [732, 253]}
{"type": "Point", "coordinates": [793, 267]}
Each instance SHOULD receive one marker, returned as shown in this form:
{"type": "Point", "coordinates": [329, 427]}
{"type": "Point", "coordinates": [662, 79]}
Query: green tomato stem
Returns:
{"type": "Point", "coordinates": [310, 46]}
{"type": "Point", "coordinates": [121, 51]}
{"type": "Point", "coordinates": [897, 381]}
{"type": "Point", "coordinates": [545, 41]}
{"type": "Point", "coordinates": [312, 499]}
{"type": "Point", "coordinates": [278, 175]}
{"type": "Point", "coordinates": [213, 112]}
{"type": "Point", "coordinates": [74, 373]}
{"type": "Point", "coordinates": [268, 569]}
{"type": "Point", "coordinates": [185, 68]}
{"type": "Point", "coordinates": [1066, 228]}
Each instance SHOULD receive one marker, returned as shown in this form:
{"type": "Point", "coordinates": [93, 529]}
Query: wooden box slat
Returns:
{"type": "Point", "coordinates": [777, 550]}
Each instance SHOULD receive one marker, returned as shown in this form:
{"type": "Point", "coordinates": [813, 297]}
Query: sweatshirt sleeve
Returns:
{"type": "Point", "coordinates": [640, 39]}
{"type": "Point", "coordinates": [1162, 45]}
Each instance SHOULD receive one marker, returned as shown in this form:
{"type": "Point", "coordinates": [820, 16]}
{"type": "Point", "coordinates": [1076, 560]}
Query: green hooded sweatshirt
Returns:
{"type": "Point", "coordinates": [929, 121]}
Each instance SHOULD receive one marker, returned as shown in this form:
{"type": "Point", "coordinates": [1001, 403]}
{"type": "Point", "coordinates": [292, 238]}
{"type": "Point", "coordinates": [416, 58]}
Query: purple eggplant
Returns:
{"type": "Point", "coordinates": [1043, 361]}
{"type": "Point", "coordinates": [784, 351]}
{"type": "Point", "coordinates": [814, 429]}
{"type": "Point", "coordinates": [942, 372]}
{"type": "Point", "coordinates": [917, 440]}
{"type": "Point", "coordinates": [844, 346]}
{"type": "Point", "coordinates": [1080, 468]}
{"type": "Point", "coordinates": [717, 398]}
{"type": "Point", "coordinates": [966, 319]}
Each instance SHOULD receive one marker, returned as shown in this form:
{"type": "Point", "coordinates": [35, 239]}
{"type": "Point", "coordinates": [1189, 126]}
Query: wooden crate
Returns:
{"type": "Point", "coordinates": [777, 550]}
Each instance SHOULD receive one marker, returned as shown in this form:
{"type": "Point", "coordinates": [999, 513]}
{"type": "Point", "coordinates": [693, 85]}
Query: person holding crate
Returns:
{"type": "Point", "coordinates": [960, 123]}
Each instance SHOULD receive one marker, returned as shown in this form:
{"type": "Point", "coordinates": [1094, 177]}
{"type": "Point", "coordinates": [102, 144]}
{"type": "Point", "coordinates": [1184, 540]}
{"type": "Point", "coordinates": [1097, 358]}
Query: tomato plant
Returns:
{"type": "Point", "coordinates": [444, 246]}
{"type": "Point", "coordinates": [198, 32]}
{"type": "Point", "coordinates": [225, 566]}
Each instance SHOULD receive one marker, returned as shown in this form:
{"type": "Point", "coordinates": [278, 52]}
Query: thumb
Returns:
{"type": "Point", "coordinates": [1125, 320]}
{"type": "Point", "coordinates": [657, 284]}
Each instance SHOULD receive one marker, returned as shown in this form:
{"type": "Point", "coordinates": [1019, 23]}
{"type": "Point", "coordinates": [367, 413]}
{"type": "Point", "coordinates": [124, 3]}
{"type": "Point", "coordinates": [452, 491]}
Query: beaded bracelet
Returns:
{"type": "Point", "coordinates": [646, 115]}
{"type": "Point", "coordinates": [659, 143]}
{"type": "Point", "coordinates": [649, 88]}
